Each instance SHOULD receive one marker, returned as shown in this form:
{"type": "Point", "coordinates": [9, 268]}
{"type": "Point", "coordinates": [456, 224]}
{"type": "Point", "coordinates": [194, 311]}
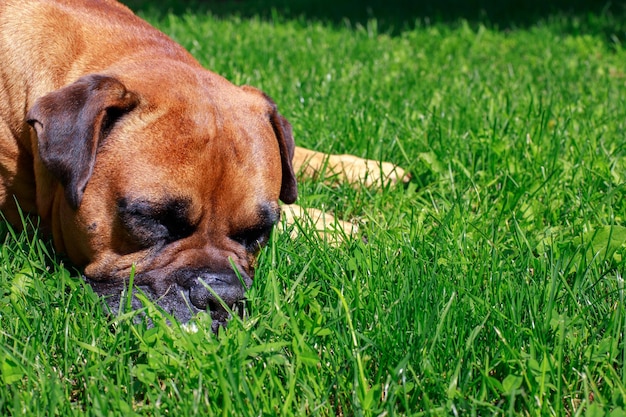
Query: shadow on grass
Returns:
{"type": "Point", "coordinates": [393, 16]}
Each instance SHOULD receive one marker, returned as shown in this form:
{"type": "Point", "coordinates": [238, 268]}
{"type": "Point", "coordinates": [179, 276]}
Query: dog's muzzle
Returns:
{"type": "Point", "coordinates": [189, 292]}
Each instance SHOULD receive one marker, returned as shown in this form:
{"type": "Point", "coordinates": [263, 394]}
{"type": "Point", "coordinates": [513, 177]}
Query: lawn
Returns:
{"type": "Point", "coordinates": [493, 283]}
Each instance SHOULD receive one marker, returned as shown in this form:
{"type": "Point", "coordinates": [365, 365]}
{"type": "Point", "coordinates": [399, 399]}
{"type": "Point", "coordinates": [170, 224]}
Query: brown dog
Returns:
{"type": "Point", "coordinates": [133, 155]}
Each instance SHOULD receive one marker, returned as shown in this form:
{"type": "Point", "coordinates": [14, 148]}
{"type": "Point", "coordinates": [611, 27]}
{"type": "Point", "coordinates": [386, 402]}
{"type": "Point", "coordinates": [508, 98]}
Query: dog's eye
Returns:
{"type": "Point", "coordinates": [254, 238]}
{"type": "Point", "coordinates": [149, 223]}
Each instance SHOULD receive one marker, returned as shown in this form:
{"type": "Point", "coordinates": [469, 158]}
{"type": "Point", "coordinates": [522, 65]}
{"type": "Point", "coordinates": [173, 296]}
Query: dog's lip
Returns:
{"type": "Point", "coordinates": [185, 297]}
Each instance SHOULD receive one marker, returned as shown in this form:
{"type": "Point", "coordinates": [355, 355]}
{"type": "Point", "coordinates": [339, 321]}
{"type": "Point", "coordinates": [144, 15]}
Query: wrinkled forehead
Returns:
{"type": "Point", "coordinates": [200, 100]}
{"type": "Point", "coordinates": [207, 147]}
{"type": "Point", "coordinates": [213, 112]}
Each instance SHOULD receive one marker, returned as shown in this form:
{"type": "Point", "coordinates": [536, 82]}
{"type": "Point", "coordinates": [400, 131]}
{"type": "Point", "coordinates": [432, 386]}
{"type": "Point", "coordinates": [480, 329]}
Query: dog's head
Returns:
{"type": "Point", "coordinates": [179, 180]}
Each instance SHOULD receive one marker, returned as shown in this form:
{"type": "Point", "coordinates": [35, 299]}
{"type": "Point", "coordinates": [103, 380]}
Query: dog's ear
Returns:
{"type": "Point", "coordinates": [286, 145]}
{"type": "Point", "coordinates": [72, 122]}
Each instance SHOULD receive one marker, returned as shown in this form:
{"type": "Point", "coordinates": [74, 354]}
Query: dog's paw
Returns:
{"type": "Point", "coordinates": [325, 225]}
{"type": "Point", "coordinates": [347, 168]}
{"type": "Point", "coordinates": [368, 172]}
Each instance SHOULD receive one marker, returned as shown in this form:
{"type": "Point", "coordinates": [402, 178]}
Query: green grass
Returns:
{"type": "Point", "coordinates": [492, 284]}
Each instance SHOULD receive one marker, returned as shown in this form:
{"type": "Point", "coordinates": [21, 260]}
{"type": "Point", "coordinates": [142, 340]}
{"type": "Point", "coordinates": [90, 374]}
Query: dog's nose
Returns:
{"type": "Point", "coordinates": [225, 289]}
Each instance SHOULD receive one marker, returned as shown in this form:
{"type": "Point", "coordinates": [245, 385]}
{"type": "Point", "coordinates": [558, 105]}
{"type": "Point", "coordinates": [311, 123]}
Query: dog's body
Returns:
{"type": "Point", "coordinates": [133, 155]}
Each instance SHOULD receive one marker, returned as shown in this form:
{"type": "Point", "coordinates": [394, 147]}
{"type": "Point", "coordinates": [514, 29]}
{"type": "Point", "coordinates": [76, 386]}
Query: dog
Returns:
{"type": "Point", "coordinates": [135, 158]}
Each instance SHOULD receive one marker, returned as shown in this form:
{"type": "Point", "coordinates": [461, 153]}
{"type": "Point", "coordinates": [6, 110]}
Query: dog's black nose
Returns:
{"type": "Point", "coordinates": [225, 289]}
